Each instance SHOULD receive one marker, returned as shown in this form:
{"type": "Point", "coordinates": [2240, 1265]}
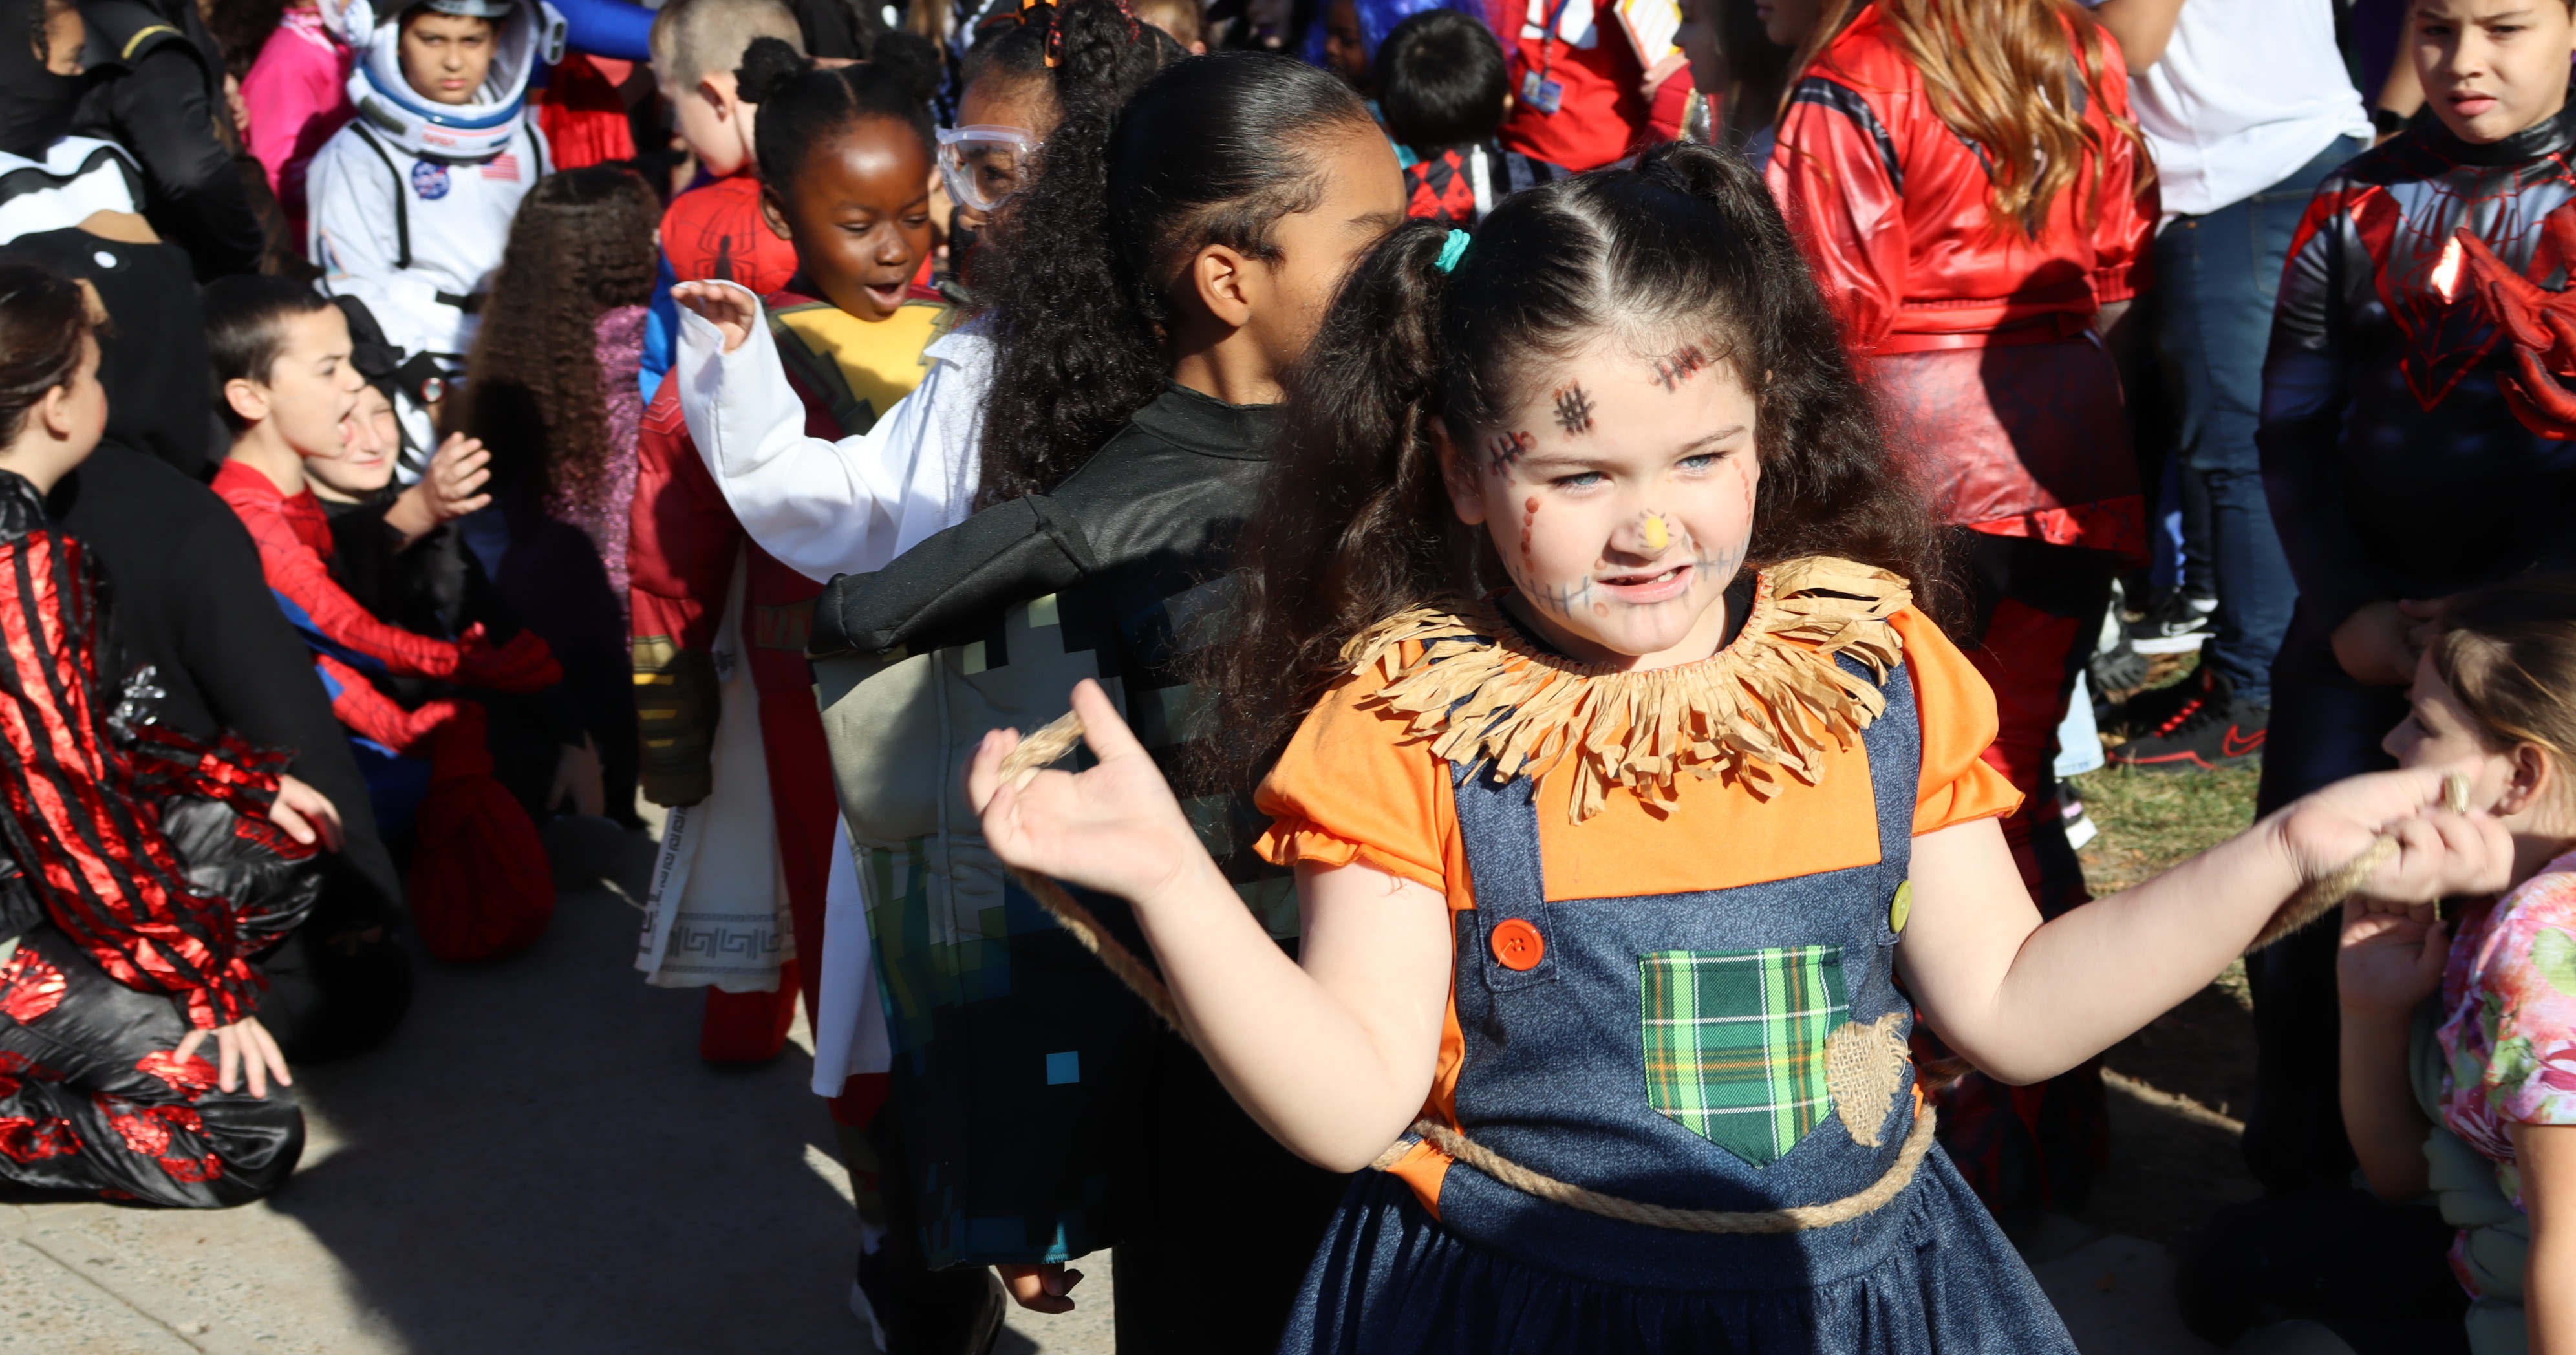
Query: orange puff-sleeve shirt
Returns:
{"type": "Point", "coordinates": [1352, 787]}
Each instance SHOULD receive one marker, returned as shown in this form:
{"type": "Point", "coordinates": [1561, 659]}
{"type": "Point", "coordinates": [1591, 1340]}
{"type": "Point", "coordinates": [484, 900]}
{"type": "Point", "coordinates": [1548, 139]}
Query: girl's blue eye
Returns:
{"type": "Point", "coordinates": [1580, 480]}
{"type": "Point", "coordinates": [1700, 462]}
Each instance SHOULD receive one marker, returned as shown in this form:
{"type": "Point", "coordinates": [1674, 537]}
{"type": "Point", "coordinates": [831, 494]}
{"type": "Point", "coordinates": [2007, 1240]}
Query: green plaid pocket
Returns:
{"type": "Point", "coordinates": [1735, 1042]}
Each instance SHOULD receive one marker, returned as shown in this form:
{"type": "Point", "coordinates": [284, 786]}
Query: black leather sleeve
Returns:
{"type": "Point", "coordinates": [161, 111]}
{"type": "Point", "coordinates": [1008, 553]}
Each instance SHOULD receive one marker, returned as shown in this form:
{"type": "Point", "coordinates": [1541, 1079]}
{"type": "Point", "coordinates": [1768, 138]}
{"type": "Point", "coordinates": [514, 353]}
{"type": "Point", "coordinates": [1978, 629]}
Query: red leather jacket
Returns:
{"type": "Point", "coordinates": [1974, 340]}
{"type": "Point", "coordinates": [1890, 206]}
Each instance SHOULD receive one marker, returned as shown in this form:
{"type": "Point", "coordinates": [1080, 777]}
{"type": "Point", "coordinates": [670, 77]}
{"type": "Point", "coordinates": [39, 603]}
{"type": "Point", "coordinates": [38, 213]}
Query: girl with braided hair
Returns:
{"type": "Point", "coordinates": [1147, 293]}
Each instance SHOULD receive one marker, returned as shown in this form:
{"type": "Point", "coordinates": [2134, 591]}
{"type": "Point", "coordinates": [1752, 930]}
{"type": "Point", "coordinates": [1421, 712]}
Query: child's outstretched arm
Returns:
{"type": "Point", "coordinates": [2545, 1154]}
{"type": "Point", "coordinates": [821, 507]}
{"type": "Point", "coordinates": [2025, 1000]}
{"type": "Point", "coordinates": [1332, 1053]}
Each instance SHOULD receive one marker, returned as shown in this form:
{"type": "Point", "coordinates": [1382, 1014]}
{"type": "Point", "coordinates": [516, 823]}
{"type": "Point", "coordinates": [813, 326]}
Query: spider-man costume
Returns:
{"type": "Point", "coordinates": [349, 644]}
{"type": "Point", "coordinates": [115, 946]}
{"type": "Point", "coordinates": [2397, 468]}
{"type": "Point", "coordinates": [480, 887]}
{"type": "Point", "coordinates": [712, 231]}
{"type": "Point", "coordinates": [1977, 342]}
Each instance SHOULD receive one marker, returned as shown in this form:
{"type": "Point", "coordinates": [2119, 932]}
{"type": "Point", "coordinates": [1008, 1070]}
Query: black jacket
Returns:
{"type": "Point", "coordinates": [156, 88]}
{"type": "Point", "coordinates": [1134, 545]}
{"type": "Point", "coordinates": [151, 352]}
{"type": "Point", "coordinates": [2393, 466]}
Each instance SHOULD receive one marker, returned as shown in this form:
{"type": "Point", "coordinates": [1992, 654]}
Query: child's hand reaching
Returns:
{"type": "Point", "coordinates": [450, 488]}
{"type": "Point", "coordinates": [2388, 962]}
{"type": "Point", "coordinates": [1114, 828]}
{"type": "Point", "coordinates": [729, 308]}
{"type": "Point", "coordinates": [2440, 851]}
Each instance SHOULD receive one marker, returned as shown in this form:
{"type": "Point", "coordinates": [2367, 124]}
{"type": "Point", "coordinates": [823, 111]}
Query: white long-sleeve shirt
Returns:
{"type": "Point", "coordinates": [824, 507]}
{"type": "Point", "coordinates": [827, 507]}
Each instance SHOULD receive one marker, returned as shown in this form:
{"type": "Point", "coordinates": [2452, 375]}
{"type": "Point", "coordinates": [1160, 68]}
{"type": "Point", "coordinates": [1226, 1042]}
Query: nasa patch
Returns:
{"type": "Point", "coordinates": [429, 179]}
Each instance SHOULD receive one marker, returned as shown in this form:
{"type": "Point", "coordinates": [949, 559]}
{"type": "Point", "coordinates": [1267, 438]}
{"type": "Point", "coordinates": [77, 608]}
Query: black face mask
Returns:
{"type": "Point", "coordinates": [35, 103]}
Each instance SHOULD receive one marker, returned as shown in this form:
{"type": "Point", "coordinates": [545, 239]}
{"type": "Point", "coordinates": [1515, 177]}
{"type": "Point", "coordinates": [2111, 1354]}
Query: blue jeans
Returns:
{"type": "Point", "coordinates": [2216, 277]}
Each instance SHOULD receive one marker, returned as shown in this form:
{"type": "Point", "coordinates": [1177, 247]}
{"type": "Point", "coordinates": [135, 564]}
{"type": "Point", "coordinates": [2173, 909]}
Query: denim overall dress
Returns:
{"type": "Point", "coordinates": [1667, 1049]}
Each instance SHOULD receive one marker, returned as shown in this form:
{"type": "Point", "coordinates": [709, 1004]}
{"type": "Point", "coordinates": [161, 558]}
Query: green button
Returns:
{"type": "Point", "coordinates": [1902, 908]}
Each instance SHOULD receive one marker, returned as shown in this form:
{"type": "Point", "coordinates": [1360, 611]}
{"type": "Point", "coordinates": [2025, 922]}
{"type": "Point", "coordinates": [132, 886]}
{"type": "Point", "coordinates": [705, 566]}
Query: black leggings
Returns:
{"type": "Point", "coordinates": [92, 1101]}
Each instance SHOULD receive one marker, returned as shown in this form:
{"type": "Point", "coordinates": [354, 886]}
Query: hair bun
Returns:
{"type": "Point", "coordinates": [768, 66]}
{"type": "Point", "coordinates": [909, 60]}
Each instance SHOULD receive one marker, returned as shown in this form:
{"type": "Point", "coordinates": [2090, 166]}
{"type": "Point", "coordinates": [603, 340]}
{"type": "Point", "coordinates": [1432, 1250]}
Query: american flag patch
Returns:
{"type": "Point", "coordinates": [502, 166]}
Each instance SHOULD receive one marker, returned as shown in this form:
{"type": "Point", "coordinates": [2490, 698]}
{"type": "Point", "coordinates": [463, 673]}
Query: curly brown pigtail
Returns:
{"type": "Point", "coordinates": [581, 244]}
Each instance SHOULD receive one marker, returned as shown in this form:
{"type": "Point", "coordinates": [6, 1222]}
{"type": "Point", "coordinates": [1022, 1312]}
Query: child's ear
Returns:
{"type": "Point", "coordinates": [1466, 497]}
{"type": "Point", "coordinates": [54, 410]}
{"type": "Point", "coordinates": [2532, 781]}
{"type": "Point", "coordinates": [1220, 276]}
{"type": "Point", "coordinates": [718, 96]}
{"type": "Point", "coordinates": [774, 212]}
{"type": "Point", "coordinates": [248, 399]}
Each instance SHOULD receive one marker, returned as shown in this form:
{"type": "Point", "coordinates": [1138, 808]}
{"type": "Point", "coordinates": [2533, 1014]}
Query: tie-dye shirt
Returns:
{"type": "Point", "coordinates": [2509, 1030]}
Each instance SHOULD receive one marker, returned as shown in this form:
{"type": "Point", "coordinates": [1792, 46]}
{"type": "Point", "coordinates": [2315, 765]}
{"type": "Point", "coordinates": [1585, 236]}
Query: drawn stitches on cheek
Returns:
{"type": "Point", "coordinates": [1506, 451]}
{"type": "Point", "coordinates": [1573, 410]}
{"type": "Point", "coordinates": [1673, 369]}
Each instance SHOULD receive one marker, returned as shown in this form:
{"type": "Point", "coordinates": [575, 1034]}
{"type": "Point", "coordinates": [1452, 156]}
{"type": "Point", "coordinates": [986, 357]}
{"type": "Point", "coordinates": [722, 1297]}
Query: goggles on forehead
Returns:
{"type": "Point", "coordinates": [983, 165]}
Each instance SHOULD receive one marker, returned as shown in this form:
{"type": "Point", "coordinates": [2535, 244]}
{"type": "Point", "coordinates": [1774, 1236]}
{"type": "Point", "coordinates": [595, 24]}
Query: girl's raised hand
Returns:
{"type": "Point", "coordinates": [2440, 852]}
{"type": "Point", "coordinates": [727, 307]}
{"type": "Point", "coordinates": [1115, 828]}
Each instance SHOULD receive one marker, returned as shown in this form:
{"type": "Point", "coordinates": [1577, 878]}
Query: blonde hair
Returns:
{"type": "Point", "coordinates": [2508, 652]}
{"type": "Point", "coordinates": [692, 39]}
{"type": "Point", "coordinates": [1997, 74]}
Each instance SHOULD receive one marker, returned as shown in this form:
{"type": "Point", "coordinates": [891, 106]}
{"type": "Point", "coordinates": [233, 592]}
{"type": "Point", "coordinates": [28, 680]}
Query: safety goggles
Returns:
{"type": "Point", "coordinates": [983, 165]}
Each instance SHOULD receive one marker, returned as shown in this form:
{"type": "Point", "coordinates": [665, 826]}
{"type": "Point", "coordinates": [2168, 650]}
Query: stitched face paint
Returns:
{"type": "Point", "coordinates": [1574, 410]}
{"type": "Point", "coordinates": [1672, 369]}
{"type": "Point", "coordinates": [1619, 494]}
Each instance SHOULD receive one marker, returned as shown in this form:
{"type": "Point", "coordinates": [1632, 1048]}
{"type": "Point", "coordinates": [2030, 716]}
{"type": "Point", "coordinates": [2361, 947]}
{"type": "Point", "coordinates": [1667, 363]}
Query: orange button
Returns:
{"type": "Point", "coordinates": [1518, 945]}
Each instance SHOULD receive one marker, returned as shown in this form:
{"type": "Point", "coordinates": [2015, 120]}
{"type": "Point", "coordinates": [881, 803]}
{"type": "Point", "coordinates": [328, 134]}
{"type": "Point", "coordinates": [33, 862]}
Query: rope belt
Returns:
{"type": "Point", "coordinates": [1035, 752]}
{"type": "Point", "coordinates": [1899, 1175]}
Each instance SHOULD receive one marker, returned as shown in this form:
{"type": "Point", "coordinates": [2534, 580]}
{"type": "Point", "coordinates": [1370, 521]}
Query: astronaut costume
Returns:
{"type": "Point", "coordinates": [411, 201]}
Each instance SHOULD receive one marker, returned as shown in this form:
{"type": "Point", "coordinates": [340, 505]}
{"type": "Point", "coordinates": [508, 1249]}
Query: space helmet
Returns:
{"type": "Point", "coordinates": [525, 32]}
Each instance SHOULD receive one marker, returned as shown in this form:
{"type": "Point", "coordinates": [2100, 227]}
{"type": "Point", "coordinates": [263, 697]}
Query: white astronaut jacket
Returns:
{"type": "Point", "coordinates": [416, 237]}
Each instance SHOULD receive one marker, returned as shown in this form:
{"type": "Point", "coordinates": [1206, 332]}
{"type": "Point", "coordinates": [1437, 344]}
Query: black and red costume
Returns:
{"type": "Point", "coordinates": [2397, 467]}
{"type": "Point", "coordinates": [143, 876]}
{"type": "Point", "coordinates": [1977, 338]}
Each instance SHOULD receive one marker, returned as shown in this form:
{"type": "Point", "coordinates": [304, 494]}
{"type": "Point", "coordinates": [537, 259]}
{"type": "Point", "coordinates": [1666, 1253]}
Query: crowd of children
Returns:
{"type": "Point", "coordinates": [1451, 467]}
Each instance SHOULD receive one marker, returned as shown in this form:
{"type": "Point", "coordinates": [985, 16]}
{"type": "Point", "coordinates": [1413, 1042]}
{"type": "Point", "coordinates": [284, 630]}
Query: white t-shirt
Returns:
{"type": "Point", "coordinates": [2246, 92]}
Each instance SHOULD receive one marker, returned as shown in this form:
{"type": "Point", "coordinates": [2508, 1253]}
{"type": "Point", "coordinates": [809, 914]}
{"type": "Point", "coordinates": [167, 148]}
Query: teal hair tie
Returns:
{"type": "Point", "coordinates": [1451, 250]}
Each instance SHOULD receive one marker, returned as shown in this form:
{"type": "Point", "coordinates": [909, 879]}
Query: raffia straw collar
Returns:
{"type": "Point", "coordinates": [1763, 706]}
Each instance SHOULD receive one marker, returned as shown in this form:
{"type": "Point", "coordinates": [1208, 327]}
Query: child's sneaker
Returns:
{"type": "Point", "coordinates": [2070, 811]}
{"type": "Point", "coordinates": [2207, 728]}
{"type": "Point", "coordinates": [2177, 622]}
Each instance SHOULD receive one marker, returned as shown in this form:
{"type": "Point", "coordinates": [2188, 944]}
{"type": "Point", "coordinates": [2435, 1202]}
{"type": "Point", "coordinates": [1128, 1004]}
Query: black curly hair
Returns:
{"type": "Point", "coordinates": [802, 105]}
{"type": "Point", "coordinates": [1355, 522]}
{"type": "Point", "coordinates": [582, 244]}
{"type": "Point", "coordinates": [1213, 150]}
